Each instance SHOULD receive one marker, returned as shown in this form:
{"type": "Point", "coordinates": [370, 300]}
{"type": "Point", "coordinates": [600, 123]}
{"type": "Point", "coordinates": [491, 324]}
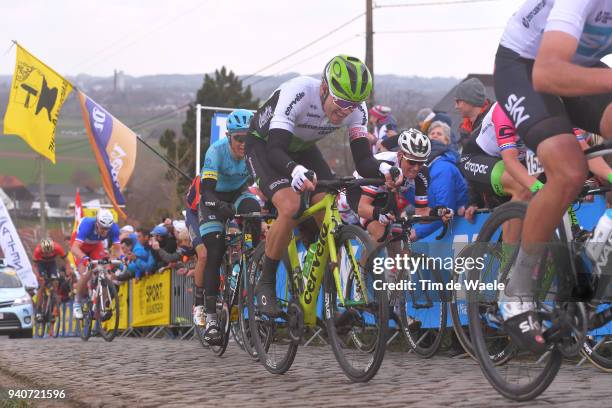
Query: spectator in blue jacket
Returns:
{"type": "Point", "coordinates": [447, 187]}
{"type": "Point", "coordinates": [139, 260]}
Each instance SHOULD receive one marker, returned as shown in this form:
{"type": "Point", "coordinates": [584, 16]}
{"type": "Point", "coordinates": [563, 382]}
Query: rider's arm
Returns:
{"type": "Point", "coordinates": [598, 165]}
{"type": "Point", "coordinates": [278, 147]}
{"type": "Point", "coordinates": [115, 251]}
{"type": "Point", "coordinates": [76, 250]}
{"type": "Point", "coordinates": [516, 169]}
{"type": "Point", "coordinates": [365, 163]}
{"type": "Point", "coordinates": [554, 72]}
{"type": "Point", "coordinates": [366, 207]}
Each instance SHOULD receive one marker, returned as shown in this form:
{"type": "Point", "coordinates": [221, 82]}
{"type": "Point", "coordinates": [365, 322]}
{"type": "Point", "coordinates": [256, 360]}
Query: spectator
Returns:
{"type": "Point", "coordinates": [384, 125]}
{"type": "Point", "coordinates": [447, 187]}
{"type": "Point", "coordinates": [125, 231]}
{"type": "Point", "coordinates": [138, 260]}
{"type": "Point", "coordinates": [185, 249]}
{"type": "Point", "coordinates": [167, 222]}
{"type": "Point", "coordinates": [472, 104]}
{"type": "Point", "coordinates": [166, 242]}
{"type": "Point", "coordinates": [143, 237]}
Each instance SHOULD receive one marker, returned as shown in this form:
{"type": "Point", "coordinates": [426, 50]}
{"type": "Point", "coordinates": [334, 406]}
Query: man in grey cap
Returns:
{"type": "Point", "coordinates": [472, 103]}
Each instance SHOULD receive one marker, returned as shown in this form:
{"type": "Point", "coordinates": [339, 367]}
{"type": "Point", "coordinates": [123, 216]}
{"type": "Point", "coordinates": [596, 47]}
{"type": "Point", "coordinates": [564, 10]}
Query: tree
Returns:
{"type": "Point", "coordinates": [224, 90]}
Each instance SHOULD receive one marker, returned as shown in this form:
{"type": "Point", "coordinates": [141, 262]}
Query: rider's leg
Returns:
{"type": "Point", "coordinates": [605, 125]}
{"type": "Point", "coordinates": [215, 247]}
{"type": "Point", "coordinates": [512, 228]}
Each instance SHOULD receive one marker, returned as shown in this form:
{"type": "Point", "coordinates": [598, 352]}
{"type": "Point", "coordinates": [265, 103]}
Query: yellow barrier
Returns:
{"type": "Point", "coordinates": [151, 300]}
{"type": "Point", "coordinates": [124, 312]}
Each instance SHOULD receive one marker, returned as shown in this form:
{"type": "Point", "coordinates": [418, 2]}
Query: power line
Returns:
{"type": "Point", "coordinates": [307, 59]}
{"type": "Point", "coordinates": [305, 46]}
{"type": "Point", "coordinates": [136, 34]}
{"type": "Point", "coordinates": [439, 30]}
{"type": "Point", "coordinates": [438, 3]}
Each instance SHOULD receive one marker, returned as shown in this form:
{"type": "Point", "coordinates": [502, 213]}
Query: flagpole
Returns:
{"type": "Point", "coordinates": [41, 197]}
{"type": "Point", "coordinates": [168, 162]}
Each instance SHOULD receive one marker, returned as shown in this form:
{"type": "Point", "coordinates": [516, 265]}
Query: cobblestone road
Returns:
{"type": "Point", "coordinates": [141, 373]}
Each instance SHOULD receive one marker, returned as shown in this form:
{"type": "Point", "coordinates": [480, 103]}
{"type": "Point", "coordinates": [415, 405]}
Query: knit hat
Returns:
{"type": "Point", "coordinates": [424, 115]}
{"type": "Point", "coordinates": [379, 111]}
{"type": "Point", "coordinates": [471, 91]}
{"type": "Point", "coordinates": [127, 228]}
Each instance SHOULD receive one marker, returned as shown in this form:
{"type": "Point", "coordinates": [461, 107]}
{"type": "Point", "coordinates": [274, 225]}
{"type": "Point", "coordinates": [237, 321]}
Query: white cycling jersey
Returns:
{"type": "Point", "coordinates": [296, 107]}
{"type": "Point", "coordinates": [589, 21]}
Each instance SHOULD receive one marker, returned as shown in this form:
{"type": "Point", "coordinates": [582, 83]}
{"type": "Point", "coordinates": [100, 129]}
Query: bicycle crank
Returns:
{"type": "Point", "coordinates": [295, 321]}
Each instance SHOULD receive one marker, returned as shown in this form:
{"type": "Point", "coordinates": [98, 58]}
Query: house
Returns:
{"type": "Point", "coordinates": [59, 197]}
{"type": "Point", "coordinates": [447, 103]}
{"type": "Point", "coordinates": [16, 191]}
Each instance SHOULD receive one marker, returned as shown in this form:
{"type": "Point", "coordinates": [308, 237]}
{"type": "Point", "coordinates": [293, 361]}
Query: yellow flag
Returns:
{"type": "Point", "coordinates": [37, 95]}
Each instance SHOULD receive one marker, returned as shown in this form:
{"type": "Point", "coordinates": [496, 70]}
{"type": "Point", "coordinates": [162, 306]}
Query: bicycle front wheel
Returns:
{"type": "Point", "coordinates": [356, 314]}
{"type": "Point", "coordinates": [275, 346]}
{"type": "Point", "coordinates": [107, 313]}
{"type": "Point", "coordinates": [85, 324]}
{"type": "Point", "coordinates": [55, 322]}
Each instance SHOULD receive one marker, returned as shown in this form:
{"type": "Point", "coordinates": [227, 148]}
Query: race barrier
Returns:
{"type": "Point", "coordinates": [164, 300]}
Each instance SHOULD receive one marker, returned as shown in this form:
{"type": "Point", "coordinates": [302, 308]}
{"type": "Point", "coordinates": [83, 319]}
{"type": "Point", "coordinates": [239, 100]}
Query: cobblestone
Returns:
{"type": "Point", "coordinates": [132, 372]}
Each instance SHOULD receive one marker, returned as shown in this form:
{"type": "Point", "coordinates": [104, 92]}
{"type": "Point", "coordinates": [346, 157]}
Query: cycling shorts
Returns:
{"type": "Point", "coordinates": [483, 173]}
{"type": "Point", "coordinates": [268, 179]}
{"type": "Point", "coordinates": [47, 269]}
{"type": "Point", "coordinates": [93, 251]}
{"type": "Point", "coordinates": [211, 221]}
{"type": "Point", "coordinates": [539, 116]}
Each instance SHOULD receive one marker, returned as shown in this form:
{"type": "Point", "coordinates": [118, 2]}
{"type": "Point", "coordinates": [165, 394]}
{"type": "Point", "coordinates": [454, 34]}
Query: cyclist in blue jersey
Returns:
{"type": "Point", "coordinates": [223, 193]}
{"type": "Point", "coordinates": [88, 245]}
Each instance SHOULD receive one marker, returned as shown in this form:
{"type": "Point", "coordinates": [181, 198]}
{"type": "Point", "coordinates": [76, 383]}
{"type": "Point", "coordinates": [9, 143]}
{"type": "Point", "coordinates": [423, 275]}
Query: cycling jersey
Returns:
{"type": "Point", "coordinates": [88, 235]}
{"type": "Point", "coordinates": [413, 192]}
{"type": "Point", "coordinates": [296, 107]}
{"type": "Point", "coordinates": [57, 251]}
{"type": "Point", "coordinates": [589, 21]}
{"type": "Point", "coordinates": [230, 174]}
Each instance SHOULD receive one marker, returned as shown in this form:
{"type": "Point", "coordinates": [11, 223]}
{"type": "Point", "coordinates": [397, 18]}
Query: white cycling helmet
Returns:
{"type": "Point", "coordinates": [104, 219]}
{"type": "Point", "coordinates": [414, 144]}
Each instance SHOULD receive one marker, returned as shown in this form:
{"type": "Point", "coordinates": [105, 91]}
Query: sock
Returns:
{"type": "Point", "coordinates": [523, 275]}
{"type": "Point", "coordinates": [211, 305]}
{"type": "Point", "coordinates": [268, 274]}
{"type": "Point", "coordinates": [199, 296]}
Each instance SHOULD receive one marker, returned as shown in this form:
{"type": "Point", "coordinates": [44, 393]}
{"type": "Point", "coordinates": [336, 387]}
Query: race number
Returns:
{"type": "Point", "coordinates": [534, 167]}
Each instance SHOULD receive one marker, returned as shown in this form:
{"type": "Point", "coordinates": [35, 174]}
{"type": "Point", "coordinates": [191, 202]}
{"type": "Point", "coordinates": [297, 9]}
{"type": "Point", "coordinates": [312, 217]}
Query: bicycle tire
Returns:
{"type": "Point", "coordinates": [592, 349]}
{"type": "Point", "coordinates": [41, 326]}
{"type": "Point", "coordinates": [427, 342]}
{"type": "Point", "coordinates": [108, 288]}
{"type": "Point", "coordinates": [266, 328]}
{"type": "Point", "coordinates": [345, 237]}
{"type": "Point", "coordinates": [54, 317]}
{"type": "Point", "coordinates": [85, 324]}
{"type": "Point", "coordinates": [249, 346]}
{"type": "Point", "coordinates": [538, 383]}
{"type": "Point", "coordinates": [223, 309]}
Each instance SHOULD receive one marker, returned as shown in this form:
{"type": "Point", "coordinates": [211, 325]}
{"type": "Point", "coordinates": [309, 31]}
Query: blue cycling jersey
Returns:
{"type": "Point", "coordinates": [230, 174]}
{"type": "Point", "coordinates": [88, 235]}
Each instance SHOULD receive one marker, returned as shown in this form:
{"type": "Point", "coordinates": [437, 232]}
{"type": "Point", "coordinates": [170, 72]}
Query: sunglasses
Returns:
{"type": "Point", "coordinates": [239, 137]}
{"type": "Point", "coordinates": [344, 105]}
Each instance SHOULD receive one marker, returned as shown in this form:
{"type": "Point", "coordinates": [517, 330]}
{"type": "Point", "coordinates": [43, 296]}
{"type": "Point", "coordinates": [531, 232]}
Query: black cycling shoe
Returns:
{"type": "Point", "coordinates": [265, 292]}
{"type": "Point", "coordinates": [526, 331]}
{"type": "Point", "coordinates": [212, 334]}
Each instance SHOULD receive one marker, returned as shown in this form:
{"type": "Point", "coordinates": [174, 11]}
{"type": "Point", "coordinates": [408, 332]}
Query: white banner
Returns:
{"type": "Point", "coordinates": [14, 253]}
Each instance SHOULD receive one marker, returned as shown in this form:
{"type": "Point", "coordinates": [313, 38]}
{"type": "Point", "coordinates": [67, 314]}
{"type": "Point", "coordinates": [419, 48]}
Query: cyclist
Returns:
{"type": "Point", "coordinates": [45, 267]}
{"type": "Point", "coordinates": [223, 193]}
{"type": "Point", "coordinates": [411, 158]}
{"type": "Point", "coordinates": [549, 79]}
{"type": "Point", "coordinates": [88, 245]}
{"type": "Point", "coordinates": [281, 149]}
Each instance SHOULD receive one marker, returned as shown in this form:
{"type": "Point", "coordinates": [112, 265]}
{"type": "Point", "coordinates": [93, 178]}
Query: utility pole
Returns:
{"type": "Point", "coordinates": [369, 59]}
{"type": "Point", "coordinates": [41, 197]}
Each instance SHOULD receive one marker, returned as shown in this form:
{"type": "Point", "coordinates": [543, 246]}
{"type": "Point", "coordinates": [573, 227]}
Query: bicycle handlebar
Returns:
{"type": "Point", "coordinates": [106, 261]}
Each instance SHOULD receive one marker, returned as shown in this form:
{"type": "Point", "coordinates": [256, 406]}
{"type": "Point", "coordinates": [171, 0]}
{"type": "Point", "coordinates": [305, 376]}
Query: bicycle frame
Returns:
{"type": "Point", "coordinates": [324, 256]}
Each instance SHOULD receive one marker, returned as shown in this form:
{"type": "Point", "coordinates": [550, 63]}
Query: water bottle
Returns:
{"type": "Point", "coordinates": [601, 236]}
{"type": "Point", "coordinates": [308, 259]}
{"type": "Point", "coordinates": [234, 276]}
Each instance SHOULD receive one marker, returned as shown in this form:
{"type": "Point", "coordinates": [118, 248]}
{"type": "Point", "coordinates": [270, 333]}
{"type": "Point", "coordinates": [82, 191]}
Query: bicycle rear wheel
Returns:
{"type": "Point", "coordinates": [357, 324]}
{"type": "Point", "coordinates": [107, 314]}
{"type": "Point", "coordinates": [525, 375]}
{"type": "Point", "coordinates": [271, 337]}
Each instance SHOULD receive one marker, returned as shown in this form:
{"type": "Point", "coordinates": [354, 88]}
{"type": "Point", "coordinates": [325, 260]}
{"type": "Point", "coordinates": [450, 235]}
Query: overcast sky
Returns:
{"type": "Point", "coordinates": [197, 36]}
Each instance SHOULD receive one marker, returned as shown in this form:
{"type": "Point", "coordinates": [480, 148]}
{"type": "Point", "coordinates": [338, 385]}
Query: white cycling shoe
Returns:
{"type": "Point", "coordinates": [77, 310]}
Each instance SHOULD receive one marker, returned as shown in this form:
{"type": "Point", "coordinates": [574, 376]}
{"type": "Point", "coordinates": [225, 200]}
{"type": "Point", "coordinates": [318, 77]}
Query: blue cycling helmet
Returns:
{"type": "Point", "coordinates": [239, 121]}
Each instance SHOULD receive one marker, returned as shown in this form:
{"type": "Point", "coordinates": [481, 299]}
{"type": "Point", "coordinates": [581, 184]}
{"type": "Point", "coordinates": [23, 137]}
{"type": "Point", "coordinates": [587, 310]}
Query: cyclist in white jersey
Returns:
{"type": "Point", "coordinates": [549, 79]}
{"type": "Point", "coordinates": [281, 150]}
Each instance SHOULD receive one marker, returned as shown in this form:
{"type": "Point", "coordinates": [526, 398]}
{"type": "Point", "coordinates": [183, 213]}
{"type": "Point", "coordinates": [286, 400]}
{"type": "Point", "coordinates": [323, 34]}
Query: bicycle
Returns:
{"type": "Point", "coordinates": [420, 303]}
{"type": "Point", "coordinates": [50, 309]}
{"type": "Point", "coordinates": [102, 304]}
{"type": "Point", "coordinates": [230, 303]}
{"type": "Point", "coordinates": [355, 316]}
{"type": "Point", "coordinates": [570, 300]}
